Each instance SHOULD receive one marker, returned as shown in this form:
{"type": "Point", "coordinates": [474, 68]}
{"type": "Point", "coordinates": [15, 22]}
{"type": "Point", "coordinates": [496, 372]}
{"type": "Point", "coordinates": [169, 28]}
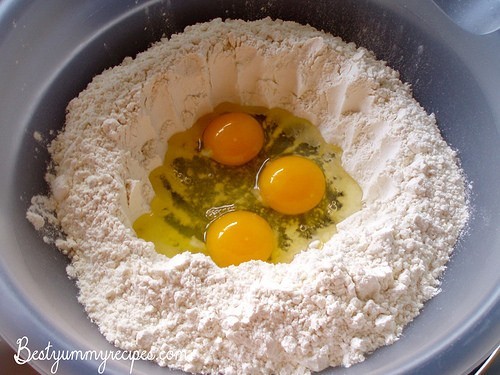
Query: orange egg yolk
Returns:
{"type": "Point", "coordinates": [233, 138]}
{"type": "Point", "coordinates": [292, 184]}
{"type": "Point", "coordinates": [238, 237]}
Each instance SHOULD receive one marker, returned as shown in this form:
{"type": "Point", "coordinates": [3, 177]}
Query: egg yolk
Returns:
{"type": "Point", "coordinates": [233, 138]}
{"type": "Point", "coordinates": [292, 184]}
{"type": "Point", "coordinates": [239, 236]}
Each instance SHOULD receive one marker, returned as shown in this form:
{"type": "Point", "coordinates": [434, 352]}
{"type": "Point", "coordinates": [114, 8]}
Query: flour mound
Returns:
{"type": "Point", "coordinates": [335, 302]}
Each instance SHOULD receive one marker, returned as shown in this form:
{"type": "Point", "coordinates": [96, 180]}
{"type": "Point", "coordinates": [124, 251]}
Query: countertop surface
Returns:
{"type": "Point", "coordinates": [7, 364]}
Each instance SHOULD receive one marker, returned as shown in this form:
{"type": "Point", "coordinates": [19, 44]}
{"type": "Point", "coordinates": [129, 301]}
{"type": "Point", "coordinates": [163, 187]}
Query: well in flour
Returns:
{"type": "Point", "coordinates": [327, 307]}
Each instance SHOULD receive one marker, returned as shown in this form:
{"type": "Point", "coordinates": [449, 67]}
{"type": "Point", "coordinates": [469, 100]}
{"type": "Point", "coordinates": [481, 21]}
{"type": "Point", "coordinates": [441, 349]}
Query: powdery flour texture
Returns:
{"type": "Point", "coordinates": [336, 301]}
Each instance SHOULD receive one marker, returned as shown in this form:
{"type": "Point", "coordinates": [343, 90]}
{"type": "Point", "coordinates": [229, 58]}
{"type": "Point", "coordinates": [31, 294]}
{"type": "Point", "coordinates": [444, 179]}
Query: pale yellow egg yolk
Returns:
{"type": "Point", "coordinates": [233, 138]}
{"type": "Point", "coordinates": [292, 184]}
{"type": "Point", "coordinates": [238, 237]}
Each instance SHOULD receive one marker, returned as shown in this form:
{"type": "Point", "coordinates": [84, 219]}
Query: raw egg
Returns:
{"type": "Point", "coordinates": [292, 184]}
{"type": "Point", "coordinates": [282, 172]}
{"type": "Point", "coordinates": [238, 237]}
{"type": "Point", "coordinates": [233, 138]}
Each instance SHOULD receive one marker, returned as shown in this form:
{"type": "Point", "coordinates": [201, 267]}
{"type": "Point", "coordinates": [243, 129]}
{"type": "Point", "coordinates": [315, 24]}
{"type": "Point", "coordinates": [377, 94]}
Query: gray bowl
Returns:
{"type": "Point", "coordinates": [50, 50]}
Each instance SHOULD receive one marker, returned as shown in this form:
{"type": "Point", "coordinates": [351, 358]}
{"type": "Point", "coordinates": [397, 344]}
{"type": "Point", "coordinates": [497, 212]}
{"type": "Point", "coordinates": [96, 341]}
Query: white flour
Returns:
{"type": "Point", "coordinates": [328, 307]}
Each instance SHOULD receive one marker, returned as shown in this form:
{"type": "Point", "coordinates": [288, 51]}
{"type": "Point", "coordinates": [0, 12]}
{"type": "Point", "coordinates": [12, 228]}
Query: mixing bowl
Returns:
{"type": "Point", "coordinates": [50, 50]}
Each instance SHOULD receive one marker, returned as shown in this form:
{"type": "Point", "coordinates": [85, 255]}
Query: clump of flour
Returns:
{"type": "Point", "coordinates": [333, 303]}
